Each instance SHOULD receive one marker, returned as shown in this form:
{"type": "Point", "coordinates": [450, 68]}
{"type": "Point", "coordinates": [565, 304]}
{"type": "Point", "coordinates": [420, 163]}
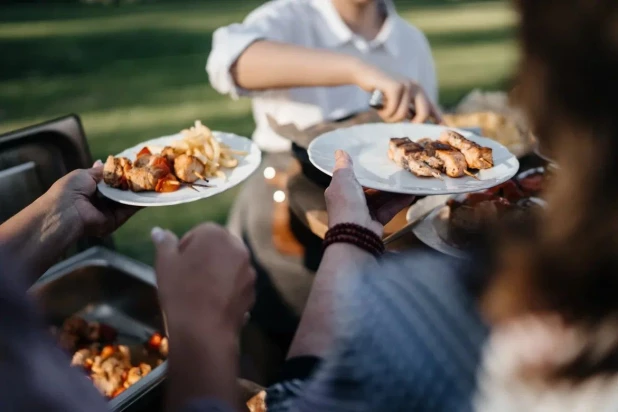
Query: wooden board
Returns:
{"type": "Point", "coordinates": [318, 222]}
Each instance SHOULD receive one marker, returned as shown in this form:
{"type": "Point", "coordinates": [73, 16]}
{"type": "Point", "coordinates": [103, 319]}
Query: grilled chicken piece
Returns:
{"type": "Point", "coordinates": [136, 373]}
{"type": "Point", "coordinates": [396, 155]}
{"type": "Point", "coordinates": [169, 153]}
{"type": "Point", "coordinates": [411, 157]}
{"type": "Point", "coordinates": [164, 348]}
{"type": "Point", "coordinates": [107, 374]}
{"type": "Point", "coordinates": [80, 357]}
{"type": "Point", "coordinates": [453, 161]}
{"type": "Point", "coordinates": [142, 179]}
{"type": "Point", "coordinates": [114, 172]}
{"type": "Point", "coordinates": [188, 168]}
{"type": "Point", "coordinates": [106, 385]}
{"type": "Point", "coordinates": [477, 157]}
{"type": "Point", "coordinates": [147, 177]}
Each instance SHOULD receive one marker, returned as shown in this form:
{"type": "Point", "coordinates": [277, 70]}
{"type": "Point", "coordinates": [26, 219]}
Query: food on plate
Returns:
{"type": "Point", "coordinates": [450, 160]}
{"type": "Point", "coordinates": [472, 214]}
{"type": "Point", "coordinates": [503, 128]}
{"type": "Point", "coordinates": [533, 182]}
{"type": "Point", "coordinates": [477, 156]}
{"type": "Point", "coordinates": [111, 367]}
{"type": "Point", "coordinates": [409, 156]}
{"type": "Point", "coordinates": [188, 168]}
{"type": "Point", "coordinates": [115, 170]}
{"type": "Point", "coordinates": [453, 155]}
{"type": "Point", "coordinates": [197, 156]}
{"type": "Point", "coordinates": [201, 143]}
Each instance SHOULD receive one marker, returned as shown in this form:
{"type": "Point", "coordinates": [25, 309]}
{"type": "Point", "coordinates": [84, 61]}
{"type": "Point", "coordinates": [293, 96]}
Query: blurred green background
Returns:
{"type": "Point", "coordinates": [136, 71]}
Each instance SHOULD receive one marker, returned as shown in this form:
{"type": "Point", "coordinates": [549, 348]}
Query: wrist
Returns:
{"type": "Point", "coordinates": [193, 345]}
{"type": "Point", "coordinates": [367, 223]}
{"type": "Point", "coordinates": [62, 224]}
{"type": "Point", "coordinates": [361, 74]}
{"type": "Point", "coordinates": [37, 236]}
{"type": "Point", "coordinates": [357, 235]}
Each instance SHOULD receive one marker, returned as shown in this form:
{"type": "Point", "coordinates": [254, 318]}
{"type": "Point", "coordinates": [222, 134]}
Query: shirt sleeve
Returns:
{"type": "Point", "coordinates": [428, 77]}
{"type": "Point", "coordinates": [275, 21]}
{"type": "Point", "coordinates": [407, 340]}
{"type": "Point", "coordinates": [341, 382]}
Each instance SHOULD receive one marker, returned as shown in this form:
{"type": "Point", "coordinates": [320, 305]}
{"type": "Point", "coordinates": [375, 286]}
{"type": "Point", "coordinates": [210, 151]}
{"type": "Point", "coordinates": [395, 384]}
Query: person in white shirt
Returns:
{"type": "Point", "coordinates": [304, 62]}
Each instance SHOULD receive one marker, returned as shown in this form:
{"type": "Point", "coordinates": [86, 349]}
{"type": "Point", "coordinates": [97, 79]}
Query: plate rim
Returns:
{"type": "Point", "coordinates": [440, 244]}
{"type": "Point", "coordinates": [254, 150]}
{"type": "Point", "coordinates": [419, 192]}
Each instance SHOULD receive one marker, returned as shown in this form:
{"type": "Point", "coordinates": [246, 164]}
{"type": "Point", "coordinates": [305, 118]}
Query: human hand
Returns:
{"type": "Point", "coordinates": [207, 275]}
{"type": "Point", "coordinates": [347, 202]}
{"type": "Point", "coordinates": [400, 95]}
{"type": "Point", "coordinates": [75, 198]}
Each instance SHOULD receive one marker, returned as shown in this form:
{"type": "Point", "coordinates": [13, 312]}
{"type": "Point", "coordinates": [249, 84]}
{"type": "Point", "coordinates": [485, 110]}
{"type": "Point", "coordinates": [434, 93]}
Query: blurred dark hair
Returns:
{"type": "Point", "coordinates": [568, 262]}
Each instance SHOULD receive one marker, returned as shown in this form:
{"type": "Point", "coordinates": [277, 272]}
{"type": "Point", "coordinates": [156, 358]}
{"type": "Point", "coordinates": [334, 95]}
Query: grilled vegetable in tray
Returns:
{"type": "Point", "coordinates": [111, 367]}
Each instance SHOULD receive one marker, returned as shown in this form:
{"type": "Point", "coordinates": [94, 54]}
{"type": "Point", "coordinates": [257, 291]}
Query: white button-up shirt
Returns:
{"type": "Point", "coordinates": [399, 48]}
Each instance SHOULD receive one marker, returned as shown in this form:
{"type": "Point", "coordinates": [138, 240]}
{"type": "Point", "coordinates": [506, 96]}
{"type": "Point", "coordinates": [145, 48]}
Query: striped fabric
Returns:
{"type": "Point", "coordinates": [409, 339]}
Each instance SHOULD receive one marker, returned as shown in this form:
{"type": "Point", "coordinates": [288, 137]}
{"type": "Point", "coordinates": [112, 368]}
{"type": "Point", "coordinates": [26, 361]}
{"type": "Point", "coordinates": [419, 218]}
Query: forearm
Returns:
{"type": "Point", "coordinates": [315, 331]}
{"type": "Point", "coordinates": [273, 65]}
{"type": "Point", "coordinates": [36, 237]}
{"type": "Point", "coordinates": [201, 366]}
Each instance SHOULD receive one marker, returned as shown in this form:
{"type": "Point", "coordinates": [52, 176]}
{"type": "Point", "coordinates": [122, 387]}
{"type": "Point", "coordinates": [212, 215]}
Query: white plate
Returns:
{"type": "Point", "coordinates": [246, 166]}
{"type": "Point", "coordinates": [367, 144]}
{"type": "Point", "coordinates": [433, 230]}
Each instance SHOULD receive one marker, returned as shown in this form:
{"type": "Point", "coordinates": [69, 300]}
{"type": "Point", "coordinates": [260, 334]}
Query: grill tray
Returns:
{"type": "Point", "coordinates": [102, 285]}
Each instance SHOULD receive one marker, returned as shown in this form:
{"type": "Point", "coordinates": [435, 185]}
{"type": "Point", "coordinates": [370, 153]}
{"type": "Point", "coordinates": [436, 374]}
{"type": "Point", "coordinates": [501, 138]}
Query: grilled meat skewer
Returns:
{"type": "Point", "coordinates": [188, 168]}
{"type": "Point", "coordinates": [453, 161]}
{"type": "Point", "coordinates": [477, 156]}
{"type": "Point", "coordinates": [153, 174]}
{"type": "Point", "coordinates": [411, 157]}
{"type": "Point", "coordinates": [114, 172]}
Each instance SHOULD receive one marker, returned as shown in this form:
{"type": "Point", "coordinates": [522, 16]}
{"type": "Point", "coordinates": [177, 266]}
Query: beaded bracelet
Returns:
{"type": "Point", "coordinates": [356, 235]}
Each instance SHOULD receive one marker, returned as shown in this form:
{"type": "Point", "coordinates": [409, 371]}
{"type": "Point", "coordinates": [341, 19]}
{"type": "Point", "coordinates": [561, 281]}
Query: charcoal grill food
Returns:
{"type": "Point", "coordinates": [198, 155]}
{"type": "Point", "coordinates": [452, 154]}
{"type": "Point", "coordinates": [472, 215]}
{"type": "Point", "coordinates": [110, 366]}
{"type": "Point", "coordinates": [477, 156]}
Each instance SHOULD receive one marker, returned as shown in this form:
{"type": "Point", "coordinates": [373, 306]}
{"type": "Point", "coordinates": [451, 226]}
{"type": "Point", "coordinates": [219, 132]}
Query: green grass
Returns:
{"type": "Point", "coordinates": [137, 71]}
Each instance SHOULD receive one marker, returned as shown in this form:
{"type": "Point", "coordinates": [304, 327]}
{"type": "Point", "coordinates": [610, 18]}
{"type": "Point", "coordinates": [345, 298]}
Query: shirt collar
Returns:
{"type": "Point", "coordinates": [340, 33]}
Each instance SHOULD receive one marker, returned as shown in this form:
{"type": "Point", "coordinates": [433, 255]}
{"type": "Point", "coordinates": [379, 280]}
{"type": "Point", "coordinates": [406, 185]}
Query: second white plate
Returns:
{"type": "Point", "coordinates": [367, 144]}
{"type": "Point", "coordinates": [246, 166]}
{"type": "Point", "coordinates": [433, 230]}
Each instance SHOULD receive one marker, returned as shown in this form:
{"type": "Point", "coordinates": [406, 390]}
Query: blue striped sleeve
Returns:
{"type": "Point", "coordinates": [409, 338]}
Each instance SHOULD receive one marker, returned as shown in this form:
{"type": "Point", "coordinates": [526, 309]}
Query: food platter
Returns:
{"type": "Point", "coordinates": [368, 145]}
{"type": "Point", "coordinates": [453, 225]}
{"type": "Point", "coordinates": [433, 231]}
{"type": "Point", "coordinates": [229, 178]}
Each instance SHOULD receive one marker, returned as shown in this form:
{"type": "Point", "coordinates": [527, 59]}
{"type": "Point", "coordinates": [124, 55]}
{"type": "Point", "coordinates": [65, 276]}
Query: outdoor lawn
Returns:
{"type": "Point", "coordinates": [137, 71]}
